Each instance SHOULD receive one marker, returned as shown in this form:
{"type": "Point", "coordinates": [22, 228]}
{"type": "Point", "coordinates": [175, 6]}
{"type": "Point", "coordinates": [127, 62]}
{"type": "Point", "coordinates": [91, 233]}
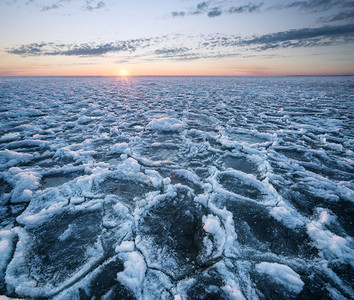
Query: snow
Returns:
{"type": "Point", "coordinates": [150, 187]}
{"type": "Point", "coordinates": [166, 124]}
{"type": "Point", "coordinates": [25, 183]}
{"type": "Point", "coordinates": [282, 274]}
{"type": "Point", "coordinates": [134, 271]}
{"type": "Point", "coordinates": [330, 244]}
{"type": "Point", "coordinates": [121, 148]}
{"type": "Point", "coordinates": [126, 246]}
{"type": "Point", "coordinates": [211, 225]}
{"type": "Point", "coordinates": [10, 158]}
{"type": "Point", "coordinates": [233, 290]}
{"type": "Point", "coordinates": [6, 248]}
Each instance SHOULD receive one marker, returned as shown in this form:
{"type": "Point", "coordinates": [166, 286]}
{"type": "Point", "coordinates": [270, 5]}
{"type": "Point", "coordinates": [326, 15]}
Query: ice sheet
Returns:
{"type": "Point", "coordinates": [146, 188]}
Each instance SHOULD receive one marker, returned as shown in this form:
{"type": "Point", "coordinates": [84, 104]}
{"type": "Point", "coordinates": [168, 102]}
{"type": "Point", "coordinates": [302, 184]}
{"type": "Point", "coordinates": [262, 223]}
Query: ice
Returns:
{"type": "Point", "coordinates": [24, 182]}
{"type": "Point", "coordinates": [10, 158]}
{"type": "Point", "coordinates": [6, 250]}
{"type": "Point", "coordinates": [126, 246]}
{"type": "Point", "coordinates": [213, 227]}
{"type": "Point", "coordinates": [121, 148]}
{"type": "Point", "coordinates": [134, 271]}
{"type": "Point", "coordinates": [233, 290]}
{"type": "Point", "coordinates": [166, 124]}
{"type": "Point", "coordinates": [10, 136]}
{"type": "Point", "coordinates": [281, 274]}
{"type": "Point", "coordinates": [176, 188]}
{"type": "Point", "coordinates": [331, 245]}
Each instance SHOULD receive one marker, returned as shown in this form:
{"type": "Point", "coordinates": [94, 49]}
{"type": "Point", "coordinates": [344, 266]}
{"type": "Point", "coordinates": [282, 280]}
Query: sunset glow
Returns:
{"type": "Point", "coordinates": [176, 38]}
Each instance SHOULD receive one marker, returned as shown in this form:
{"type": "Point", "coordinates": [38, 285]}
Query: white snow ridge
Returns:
{"type": "Point", "coordinates": [176, 188]}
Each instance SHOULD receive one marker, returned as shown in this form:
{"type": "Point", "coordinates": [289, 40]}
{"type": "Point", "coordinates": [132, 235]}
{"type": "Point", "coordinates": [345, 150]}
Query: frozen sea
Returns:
{"type": "Point", "coordinates": [177, 187]}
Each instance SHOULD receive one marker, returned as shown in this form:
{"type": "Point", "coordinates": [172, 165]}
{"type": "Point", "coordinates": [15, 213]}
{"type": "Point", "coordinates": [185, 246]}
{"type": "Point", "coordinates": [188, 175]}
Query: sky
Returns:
{"type": "Point", "coordinates": [176, 37]}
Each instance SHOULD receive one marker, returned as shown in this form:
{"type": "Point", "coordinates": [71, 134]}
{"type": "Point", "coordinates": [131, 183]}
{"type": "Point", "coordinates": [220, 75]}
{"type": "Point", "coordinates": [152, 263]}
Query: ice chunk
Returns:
{"type": "Point", "coordinates": [331, 245]}
{"type": "Point", "coordinates": [10, 158]}
{"type": "Point", "coordinates": [77, 200]}
{"type": "Point", "coordinates": [166, 124]}
{"type": "Point", "coordinates": [121, 148]}
{"type": "Point", "coordinates": [130, 165]}
{"type": "Point", "coordinates": [126, 246]}
{"type": "Point", "coordinates": [233, 290]}
{"type": "Point", "coordinates": [25, 182]}
{"type": "Point", "coordinates": [6, 248]}
{"type": "Point", "coordinates": [282, 274]}
{"type": "Point", "coordinates": [287, 215]}
{"type": "Point", "coordinates": [134, 271]}
{"type": "Point", "coordinates": [213, 227]}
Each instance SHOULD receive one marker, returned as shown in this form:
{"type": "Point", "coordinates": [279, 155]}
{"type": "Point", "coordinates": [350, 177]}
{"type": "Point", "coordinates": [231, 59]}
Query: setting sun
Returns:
{"type": "Point", "coordinates": [123, 72]}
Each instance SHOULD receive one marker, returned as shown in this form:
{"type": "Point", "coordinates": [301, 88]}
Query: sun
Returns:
{"type": "Point", "coordinates": [123, 72]}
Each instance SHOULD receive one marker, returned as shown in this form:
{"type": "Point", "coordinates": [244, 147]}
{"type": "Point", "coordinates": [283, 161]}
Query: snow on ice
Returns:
{"type": "Point", "coordinates": [176, 188]}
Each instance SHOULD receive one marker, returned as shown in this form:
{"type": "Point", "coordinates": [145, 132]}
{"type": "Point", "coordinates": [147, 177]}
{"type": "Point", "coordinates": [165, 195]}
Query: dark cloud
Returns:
{"type": "Point", "coordinates": [90, 6]}
{"type": "Point", "coordinates": [204, 8]}
{"type": "Point", "coordinates": [342, 16]}
{"type": "Point", "coordinates": [86, 49]}
{"type": "Point", "coordinates": [50, 7]}
{"type": "Point", "coordinates": [295, 38]}
{"type": "Point", "coordinates": [171, 51]}
{"type": "Point", "coordinates": [198, 10]}
{"type": "Point", "coordinates": [176, 54]}
{"type": "Point", "coordinates": [215, 12]}
{"type": "Point", "coordinates": [178, 14]}
{"type": "Point", "coordinates": [306, 33]}
{"type": "Point", "coordinates": [305, 37]}
{"type": "Point", "coordinates": [33, 49]}
{"type": "Point", "coordinates": [244, 8]}
{"type": "Point", "coordinates": [317, 5]}
{"type": "Point", "coordinates": [201, 8]}
{"type": "Point", "coordinates": [312, 4]}
{"type": "Point", "coordinates": [203, 5]}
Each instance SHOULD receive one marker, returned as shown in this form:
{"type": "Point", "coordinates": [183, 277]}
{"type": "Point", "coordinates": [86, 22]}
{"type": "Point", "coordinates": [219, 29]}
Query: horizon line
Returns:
{"type": "Point", "coordinates": [127, 76]}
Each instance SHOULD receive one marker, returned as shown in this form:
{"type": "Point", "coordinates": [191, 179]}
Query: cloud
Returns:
{"type": "Point", "coordinates": [90, 7]}
{"type": "Point", "coordinates": [171, 51]}
{"type": "Point", "coordinates": [342, 16]}
{"type": "Point", "coordinates": [56, 4]}
{"type": "Point", "coordinates": [176, 54]}
{"type": "Point", "coordinates": [201, 8]}
{"type": "Point", "coordinates": [197, 46]}
{"type": "Point", "coordinates": [244, 8]}
{"type": "Point", "coordinates": [86, 49]}
{"type": "Point", "coordinates": [312, 4]}
{"type": "Point", "coordinates": [216, 11]}
{"type": "Point", "coordinates": [305, 37]}
{"type": "Point", "coordinates": [203, 5]}
{"type": "Point", "coordinates": [198, 10]}
{"type": "Point", "coordinates": [50, 7]}
{"type": "Point", "coordinates": [317, 5]}
{"type": "Point", "coordinates": [178, 14]}
{"type": "Point", "coordinates": [295, 38]}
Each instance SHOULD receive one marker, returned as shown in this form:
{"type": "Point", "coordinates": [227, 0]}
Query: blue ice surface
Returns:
{"type": "Point", "coordinates": [177, 187]}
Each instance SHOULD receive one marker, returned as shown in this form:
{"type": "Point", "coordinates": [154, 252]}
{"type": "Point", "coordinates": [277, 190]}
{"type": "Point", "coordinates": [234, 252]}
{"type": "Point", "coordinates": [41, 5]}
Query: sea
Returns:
{"type": "Point", "coordinates": [177, 187]}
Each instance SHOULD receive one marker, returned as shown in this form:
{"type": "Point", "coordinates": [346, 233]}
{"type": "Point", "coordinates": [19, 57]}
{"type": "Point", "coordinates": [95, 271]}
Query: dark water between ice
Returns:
{"type": "Point", "coordinates": [177, 188]}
